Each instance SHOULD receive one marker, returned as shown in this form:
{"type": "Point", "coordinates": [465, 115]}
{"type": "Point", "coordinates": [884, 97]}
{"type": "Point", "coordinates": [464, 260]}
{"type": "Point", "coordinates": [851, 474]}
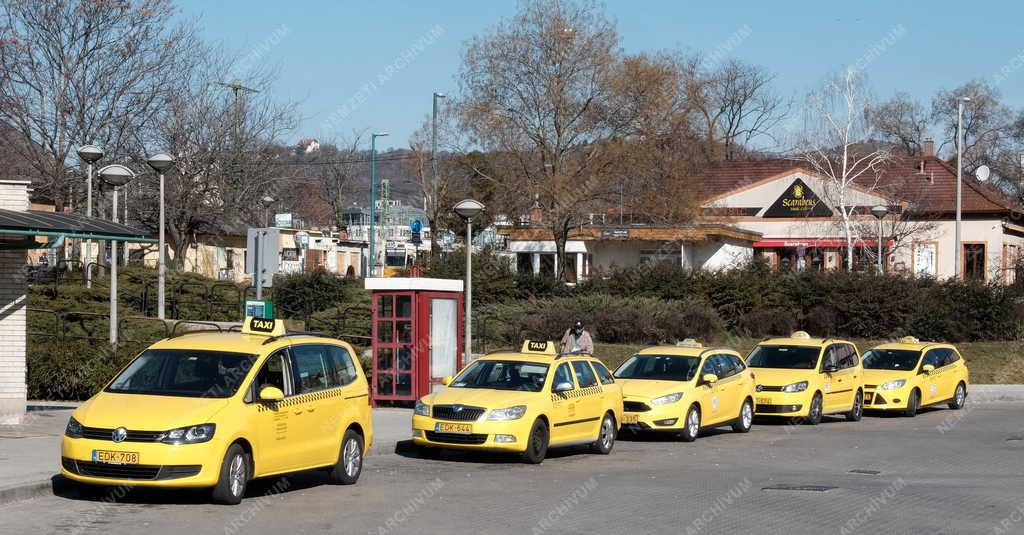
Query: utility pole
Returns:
{"type": "Point", "coordinates": [237, 88]}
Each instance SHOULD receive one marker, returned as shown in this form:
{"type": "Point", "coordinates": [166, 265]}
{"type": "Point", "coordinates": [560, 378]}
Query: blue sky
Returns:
{"type": "Point", "coordinates": [331, 50]}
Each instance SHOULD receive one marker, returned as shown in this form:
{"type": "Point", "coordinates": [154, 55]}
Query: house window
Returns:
{"type": "Point", "coordinates": [974, 261]}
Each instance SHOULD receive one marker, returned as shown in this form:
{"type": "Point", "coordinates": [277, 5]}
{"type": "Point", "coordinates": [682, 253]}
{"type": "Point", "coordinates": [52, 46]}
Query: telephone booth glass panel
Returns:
{"type": "Point", "coordinates": [393, 340]}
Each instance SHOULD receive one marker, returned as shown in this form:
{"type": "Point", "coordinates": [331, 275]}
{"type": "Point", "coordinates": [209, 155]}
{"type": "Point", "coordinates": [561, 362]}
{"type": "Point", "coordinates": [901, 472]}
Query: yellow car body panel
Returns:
{"type": "Point", "coordinates": [719, 402]}
{"type": "Point", "coordinates": [573, 417]}
{"type": "Point", "coordinates": [837, 388]}
{"type": "Point", "coordinates": [298, 432]}
{"type": "Point", "coordinates": [934, 387]}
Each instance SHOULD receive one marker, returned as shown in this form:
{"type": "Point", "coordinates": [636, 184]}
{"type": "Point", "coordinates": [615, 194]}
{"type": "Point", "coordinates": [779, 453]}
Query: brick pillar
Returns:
{"type": "Point", "coordinates": [13, 390]}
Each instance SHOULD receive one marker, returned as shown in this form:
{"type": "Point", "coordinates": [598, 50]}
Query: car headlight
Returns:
{"type": "Point", "coordinates": [509, 413]}
{"type": "Point", "coordinates": [74, 429]}
{"type": "Point", "coordinates": [664, 400]}
{"type": "Point", "coordinates": [893, 385]}
{"type": "Point", "coordinates": [188, 435]}
{"type": "Point", "coordinates": [795, 387]}
{"type": "Point", "coordinates": [422, 409]}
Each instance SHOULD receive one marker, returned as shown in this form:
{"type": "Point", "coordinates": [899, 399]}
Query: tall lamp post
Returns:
{"type": "Point", "coordinates": [161, 163]}
{"type": "Point", "coordinates": [116, 175]}
{"type": "Point", "coordinates": [373, 201]}
{"type": "Point", "coordinates": [467, 210]}
{"type": "Point", "coordinates": [434, 180]}
{"type": "Point", "coordinates": [90, 154]}
{"type": "Point", "coordinates": [959, 179]}
{"type": "Point", "coordinates": [266, 201]}
{"type": "Point", "coordinates": [880, 212]}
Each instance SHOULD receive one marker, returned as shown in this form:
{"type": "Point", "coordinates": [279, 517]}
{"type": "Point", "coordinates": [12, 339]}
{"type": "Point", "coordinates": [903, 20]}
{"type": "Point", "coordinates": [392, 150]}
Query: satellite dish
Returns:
{"type": "Point", "coordinates": [982, 173]}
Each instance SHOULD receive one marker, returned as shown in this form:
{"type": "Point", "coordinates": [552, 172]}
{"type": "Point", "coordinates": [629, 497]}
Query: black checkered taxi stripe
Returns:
{"type": "Point", "coordinates": [304, 398]}
{"type": "Point", "coordinates": [578, 393]}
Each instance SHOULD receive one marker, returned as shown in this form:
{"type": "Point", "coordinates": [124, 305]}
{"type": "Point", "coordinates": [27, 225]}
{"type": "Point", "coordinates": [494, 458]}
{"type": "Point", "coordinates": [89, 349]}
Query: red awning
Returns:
{"type": "Point", "coordinates": [816, 242]}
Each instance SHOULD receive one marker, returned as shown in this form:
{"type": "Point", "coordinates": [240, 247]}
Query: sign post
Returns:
{"type": "Point", "coordinates": [261, 257]}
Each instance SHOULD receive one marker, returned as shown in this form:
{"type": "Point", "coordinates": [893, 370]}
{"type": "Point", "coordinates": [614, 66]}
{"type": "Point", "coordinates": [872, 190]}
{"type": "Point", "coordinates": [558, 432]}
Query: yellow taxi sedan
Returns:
{"type": "Point", "coordinates": [911, 374]}
{"type": "Point", "coordinates": [522, 402]}
{"type": "Point", "coordinates": [216, 409]}
{"type": "Point", "coordinates": [685, 388]}
{"type": "Point", "coordinates": [804, 377]}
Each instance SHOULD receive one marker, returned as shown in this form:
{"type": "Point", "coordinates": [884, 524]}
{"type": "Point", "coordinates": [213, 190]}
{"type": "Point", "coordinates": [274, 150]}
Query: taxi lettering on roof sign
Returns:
{"type": "Point", "coordinates": [270, 327]}
{"type": "Point", "coordinates": [539, 346]}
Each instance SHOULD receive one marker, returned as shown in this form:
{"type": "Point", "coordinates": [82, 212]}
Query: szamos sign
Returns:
{"type": "Point", "coordinates": [798, 201]}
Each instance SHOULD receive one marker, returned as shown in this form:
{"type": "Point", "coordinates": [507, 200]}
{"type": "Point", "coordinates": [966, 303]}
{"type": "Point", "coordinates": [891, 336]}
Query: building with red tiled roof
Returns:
{"type": "Point", "coordinates": [796, 211]}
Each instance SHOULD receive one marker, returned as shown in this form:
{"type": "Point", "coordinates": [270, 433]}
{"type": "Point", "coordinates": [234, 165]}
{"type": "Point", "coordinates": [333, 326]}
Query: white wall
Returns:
{"type": "Point", "coordinates": [13, 389]}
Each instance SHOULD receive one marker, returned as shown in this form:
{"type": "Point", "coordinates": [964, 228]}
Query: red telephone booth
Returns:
{"type": "Point", "coordinates": [417, 336]}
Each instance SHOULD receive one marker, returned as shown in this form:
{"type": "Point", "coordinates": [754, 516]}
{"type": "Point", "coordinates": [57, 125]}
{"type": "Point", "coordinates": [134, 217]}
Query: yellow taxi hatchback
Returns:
{"type": "Point", "coordinates": [216, 409]}
{"type": "Point", "coordinates": [911, 374]}
{"type": "Point", "coordinates": [522, 402]}
{"type": "Point", "coordinates": [685, 388]}
{"type": "Point", "coordinates": [808, 378]}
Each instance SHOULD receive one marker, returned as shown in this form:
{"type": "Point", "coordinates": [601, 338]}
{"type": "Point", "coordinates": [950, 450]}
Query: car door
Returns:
{"type": "Point", "coordinates": [589, 405]}
{"type": "Point", "coordinates": [340, 401]}
{"type": "Point", "coordinates": [832, 397]}
{"type": "Point", "coordinates": [930, 381]}
{"type": "Point", "coordinates": [706, 394]}
{"type": "Point", "coordinates": [848, 376]}
{"type": "Point", "coordinates": [947, 376]}
{"type": "Point", "coordinates": [732, 395]}
{"type": "Point", "coordinates": [277, 438]}
{"type": "Point", "coordinates": [315, 403]}
{"type": "Point", "coordinates": [612, 390]}
{"type": "Point", "coordinates": [563, 405]}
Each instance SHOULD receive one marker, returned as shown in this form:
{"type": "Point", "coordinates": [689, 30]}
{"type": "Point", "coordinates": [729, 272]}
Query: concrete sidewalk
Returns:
{"type": "Point", "coordinates": [30, 453]}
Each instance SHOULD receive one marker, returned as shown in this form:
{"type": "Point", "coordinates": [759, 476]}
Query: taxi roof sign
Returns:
{"type": "Point", "coordinates": [690, 342]}
{"type": "Point", "coordinates": [540, 346]}
{"type": "Point", "coordinates": [909, 340]}
{"type": "Point", "coordinates": [800, 335]}
{"type": "Point", "coordinates": [263, 327]}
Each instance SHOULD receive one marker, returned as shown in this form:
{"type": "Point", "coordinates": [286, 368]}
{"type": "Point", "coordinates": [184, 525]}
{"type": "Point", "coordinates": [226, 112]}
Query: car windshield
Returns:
{"type": "Point", "coordinates": [184, 372]}
{"type": "Point", "coordinates": [782, 356]}
{"type": "Point", "coordinates": [503, 375]}
{"type": "Point", "coordinates": [891, 359]}
{"type": "Point", "coordinates": [663, 367]}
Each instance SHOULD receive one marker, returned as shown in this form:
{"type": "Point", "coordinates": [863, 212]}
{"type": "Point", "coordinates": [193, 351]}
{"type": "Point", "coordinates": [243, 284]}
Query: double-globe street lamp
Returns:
{"type": "Point", "coordinates": [116, 175]}
{"type": "Point", "coordinates": [161, 163]}
{"type": "Point", "coordinates": [90, 154]}
{"type": "Point", "coordinates": [467, 210]}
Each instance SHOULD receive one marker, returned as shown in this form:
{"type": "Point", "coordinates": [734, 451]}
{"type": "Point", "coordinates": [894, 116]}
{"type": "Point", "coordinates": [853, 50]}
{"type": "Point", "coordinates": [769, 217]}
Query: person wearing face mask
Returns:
{"type": "Point", "coordinates": [577, 340]}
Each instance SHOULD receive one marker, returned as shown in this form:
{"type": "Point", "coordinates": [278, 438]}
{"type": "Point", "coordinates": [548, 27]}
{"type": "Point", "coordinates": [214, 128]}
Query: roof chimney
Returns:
{"type": "Point", "coordinates": [928, 148]}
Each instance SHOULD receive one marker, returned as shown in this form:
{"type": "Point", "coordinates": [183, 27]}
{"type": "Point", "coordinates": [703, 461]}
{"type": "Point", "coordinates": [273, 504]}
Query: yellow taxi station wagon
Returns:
{"type": "Point", "coordinates": [685, 388]}
{"type": "Point", "coordinates": [808, 377]}
{"type": "Point", "coordinates": [911, 374]}
{"type": "Point", "coordinates": [522, 402]}
{"type": "Point", "coordinates": [216, 409]}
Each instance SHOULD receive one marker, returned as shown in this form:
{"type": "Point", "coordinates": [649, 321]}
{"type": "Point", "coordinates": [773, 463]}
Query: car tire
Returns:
{"type": "Point", "coordinates": [691, 424]}
{"type": "Point", "coordinates": [959, 397]}
{"type": "Point", "coordinates": [605, 436]}
{"type": "Point", "coordinates": [234, 477]}
{"type": "Point", "coordinates": [746, 418]}
{"type": "Point", "coordinates": [350, 460]}
{"type": "Point", "coordinates": [537, 445]}
{"type": "Point", "coordinates": [815, 412]}
{"type": "Point", "coordinates": [913, 404]}
{"type": "Point", "coordinates": [857, 412]}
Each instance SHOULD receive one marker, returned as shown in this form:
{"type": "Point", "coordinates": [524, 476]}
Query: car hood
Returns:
{"type": "Point", "coordinates": [650, 388]}
{"type": "Point", "coordinates": [877, 377]}
{"type": "Point", "coordinates": [781, 377]}
{"type": "Point", "coordinates": [146, 412]}
{"type": "Point", "coordinates": [480, 397]}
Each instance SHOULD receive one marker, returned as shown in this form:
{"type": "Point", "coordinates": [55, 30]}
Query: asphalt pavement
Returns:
{"type": "Point", "coordinates": [941, 472]}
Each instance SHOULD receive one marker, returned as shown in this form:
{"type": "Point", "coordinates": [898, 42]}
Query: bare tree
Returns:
{"type": "Point", "coordinates": [901, 120]}
{"type": "Point", "coordinates": [536, 92]}
{"type": "Point", "coordinates": [832, 144]}
{"type": "Point", "coordinates": [336, 171]}
{"type": "Point", "coordinates": [82, 71]}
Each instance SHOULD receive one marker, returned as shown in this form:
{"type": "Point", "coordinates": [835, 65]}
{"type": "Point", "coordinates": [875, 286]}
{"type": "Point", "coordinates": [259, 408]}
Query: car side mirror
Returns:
{"type": "Point", "coordinates": [562, 387]}
{"type": "Point", "coordinates": [831, 369]}
{"type": "Point", "coordinates": [271, 393]}
{"type": "Point", "coordinates": [446, 380]}
{"type": "Point", "coordinates": [927, 368]}
{"type": "Point", "coordinates": [709, 378]}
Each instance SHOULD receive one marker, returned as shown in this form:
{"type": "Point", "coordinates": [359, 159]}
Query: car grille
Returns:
{"type": "Point", "coordinates": [467, 414]}
{"type": "Point", "coordinates": [456, 438]}
{"type": "Point", "coordinates": [635, 406]}
{"type": "Point", "coordinates": [130, 471]}
{"type": "Point", "coordinates": [775, 409]}
{"type": "Point", "coordinates": [99, 433]}
{"type": "Point", "coordinates": [766, 388]}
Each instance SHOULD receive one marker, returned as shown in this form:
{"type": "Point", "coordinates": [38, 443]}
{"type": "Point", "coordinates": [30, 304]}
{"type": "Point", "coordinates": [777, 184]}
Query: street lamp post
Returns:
{"type": "Point", "coordinates": [467, 210]}
{"type": "Point", "coordinates": [267, 200]}
{"type": "Point", "coordinates": [959, 179]}
{"type": "Point", "coordinates": [373, 201]}
{"type": "Point", "coordinates": [116, 175]}
{"type": "Point", "coordinates": [880, 212]}
{"type": "Point", "coordinates": [90, 154]}
{"type": "Point", "coordinates": [160, 163]}
{"type": "Point", "coordinates": [434, 180]}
